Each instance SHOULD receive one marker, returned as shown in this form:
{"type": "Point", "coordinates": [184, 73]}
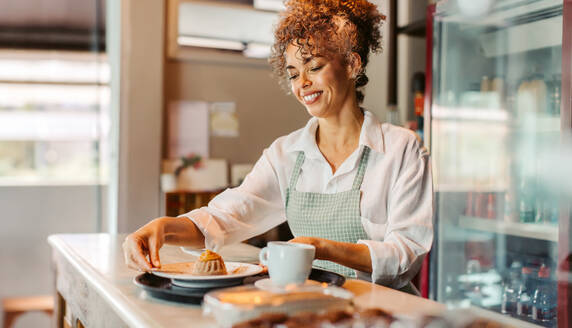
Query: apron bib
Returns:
{"type": "Point", "coordinates": [330, 216]}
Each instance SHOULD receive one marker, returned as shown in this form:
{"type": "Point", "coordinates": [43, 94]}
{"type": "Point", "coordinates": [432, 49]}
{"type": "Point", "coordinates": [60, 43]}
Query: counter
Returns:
{"type": "Point", "coordinates": [94, 288]}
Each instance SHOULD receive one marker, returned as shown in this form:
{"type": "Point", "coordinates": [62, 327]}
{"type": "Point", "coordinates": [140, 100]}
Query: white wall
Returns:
{"type": "Point", "coordinates": [29, 214]}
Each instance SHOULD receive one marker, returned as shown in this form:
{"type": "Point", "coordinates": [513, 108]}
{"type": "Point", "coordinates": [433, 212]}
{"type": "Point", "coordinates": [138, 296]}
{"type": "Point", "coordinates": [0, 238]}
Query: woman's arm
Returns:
{"type": "Point", "coordinates": [232, 216]}
{"type": "Point", "coordinates": [355, 256]}
{"type": "Point", "coordinates": [409, 231]}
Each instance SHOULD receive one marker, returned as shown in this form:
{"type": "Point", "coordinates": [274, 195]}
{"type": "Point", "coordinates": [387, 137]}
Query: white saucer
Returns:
{"type": "Point", "coordinates": [309, 285]}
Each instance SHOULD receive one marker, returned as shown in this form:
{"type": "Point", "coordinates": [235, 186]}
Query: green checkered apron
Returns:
{"type": "Point", "coordinates": [330, 216]}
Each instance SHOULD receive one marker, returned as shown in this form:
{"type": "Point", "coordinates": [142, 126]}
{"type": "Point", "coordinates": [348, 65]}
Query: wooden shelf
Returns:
{"type": "Point", "coordinates": [527, 230]}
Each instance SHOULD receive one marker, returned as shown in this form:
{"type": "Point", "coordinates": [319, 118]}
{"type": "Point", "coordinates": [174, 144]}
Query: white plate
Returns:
{"type": "Point", "coordinates": [188, 280]}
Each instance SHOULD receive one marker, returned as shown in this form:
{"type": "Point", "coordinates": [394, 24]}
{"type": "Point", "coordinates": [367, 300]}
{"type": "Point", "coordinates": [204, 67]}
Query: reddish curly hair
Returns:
{"type": "Point", "coordinates": [329, 28]}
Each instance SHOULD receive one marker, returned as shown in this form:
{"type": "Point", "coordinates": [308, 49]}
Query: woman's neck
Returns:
{"type": "Point", "coordinates": [340, 133]}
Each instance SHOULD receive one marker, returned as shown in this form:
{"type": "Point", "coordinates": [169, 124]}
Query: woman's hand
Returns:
{"type": "Point", "coordinates": [141, 248]}
{"type": "Point", "coordinates": [320, 244]}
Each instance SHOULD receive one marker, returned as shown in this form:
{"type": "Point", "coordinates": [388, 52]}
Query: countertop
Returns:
{"type": "Point", "coordinates": [91, 267]}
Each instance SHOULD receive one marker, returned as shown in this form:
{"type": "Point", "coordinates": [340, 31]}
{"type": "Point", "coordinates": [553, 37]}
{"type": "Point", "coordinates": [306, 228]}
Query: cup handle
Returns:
{"type": "Point", "coordinates": [263, 256]}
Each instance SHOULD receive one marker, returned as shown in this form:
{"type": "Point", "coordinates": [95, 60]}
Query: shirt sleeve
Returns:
{"type": "Point", "coordinates": [409, 234]}
{"type": "Point", "coordinates": [243, 212]}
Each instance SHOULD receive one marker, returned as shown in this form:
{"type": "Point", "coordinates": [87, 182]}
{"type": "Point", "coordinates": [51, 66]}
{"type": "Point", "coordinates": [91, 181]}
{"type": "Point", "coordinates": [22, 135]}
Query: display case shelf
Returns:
{"type": "Point", "coordinates": [527, 230]}
{"type": "Point", "coordinates": [469, 187]}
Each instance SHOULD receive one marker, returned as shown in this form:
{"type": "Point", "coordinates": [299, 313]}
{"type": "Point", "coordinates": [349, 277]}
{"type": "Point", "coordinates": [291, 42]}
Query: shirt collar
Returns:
{"type": "Point", "coordinates": [371, 135]}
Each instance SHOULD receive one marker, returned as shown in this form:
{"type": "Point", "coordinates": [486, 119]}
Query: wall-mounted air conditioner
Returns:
{"type": "Point", "coordinates": [274, 5]}
{"type": "Point", "coordinates": [232, 27]}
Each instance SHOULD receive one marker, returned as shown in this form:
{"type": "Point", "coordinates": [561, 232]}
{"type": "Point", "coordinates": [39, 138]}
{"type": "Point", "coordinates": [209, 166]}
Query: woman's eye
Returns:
{"type": "Point", "coordinates": [292, 77]}
{"type": "Point", "coordinates": [315, 69]}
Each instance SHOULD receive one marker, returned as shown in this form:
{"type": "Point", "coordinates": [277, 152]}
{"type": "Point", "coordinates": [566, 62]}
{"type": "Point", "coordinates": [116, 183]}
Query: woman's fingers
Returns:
{"type": "Point", "coordinates": [140, 263]}
{"type": "Point", "coordinates": [154, 247]}
{"type": "Point", "coordinates": [135, 252]}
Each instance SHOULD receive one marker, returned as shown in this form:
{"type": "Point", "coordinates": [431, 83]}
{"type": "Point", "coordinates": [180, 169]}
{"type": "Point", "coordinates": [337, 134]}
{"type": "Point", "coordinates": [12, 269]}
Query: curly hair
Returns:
{"type": "Point", "coordinates": [329, 28]}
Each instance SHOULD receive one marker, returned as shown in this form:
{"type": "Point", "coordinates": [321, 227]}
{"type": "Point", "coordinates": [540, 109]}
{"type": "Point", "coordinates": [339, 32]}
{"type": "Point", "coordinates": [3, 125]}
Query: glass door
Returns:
{"type": "Point", "coordinates": [495, 144]}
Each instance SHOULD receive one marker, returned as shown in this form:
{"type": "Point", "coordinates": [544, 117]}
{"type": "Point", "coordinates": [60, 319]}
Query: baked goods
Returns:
{"type": "Point", "coordinates": [329, 319]}
{"type": "Point", "coordinates": [266, 320]}
{"type": "Point", "coordinates": [209, 264]}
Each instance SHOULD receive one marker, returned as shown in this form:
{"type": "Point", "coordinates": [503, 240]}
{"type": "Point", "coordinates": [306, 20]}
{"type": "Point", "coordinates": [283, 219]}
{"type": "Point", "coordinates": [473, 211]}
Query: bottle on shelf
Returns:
{"type": "Point", "coordinates": [526, 201]}
{"type": "Point", "coordinates": [544, 299]}
{"type": "Point", "coordinates": [554, 213]}
{"type": "Point", "coordinates": [469, 206]}
{"type": "Point", "coordinates": [524, 295]}
{"type": "Point", "coordinates": [491, 206]}
{"type": "Point", "coordinates": [540, 211]}
{"type": "Point", "coordinates": [480, 205]}
{"type": "Point", "coordinates": [485, 84]}
{"type": "Point", "coordinates": [551, 211]}
{"type": "Point", "coordinates": [554, 95]}
{"type": "Point", "coordinates": [509, 206]}
{"type": "Point", "coordinates": [510, 290]}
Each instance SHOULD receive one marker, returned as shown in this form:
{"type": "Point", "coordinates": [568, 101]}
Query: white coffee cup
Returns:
{"type": "Point", "coordinates": [288, 263]}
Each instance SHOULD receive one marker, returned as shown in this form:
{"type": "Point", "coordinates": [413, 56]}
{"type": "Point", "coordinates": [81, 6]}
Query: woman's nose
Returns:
{"type": "Point", "coordinates": [306, 83]}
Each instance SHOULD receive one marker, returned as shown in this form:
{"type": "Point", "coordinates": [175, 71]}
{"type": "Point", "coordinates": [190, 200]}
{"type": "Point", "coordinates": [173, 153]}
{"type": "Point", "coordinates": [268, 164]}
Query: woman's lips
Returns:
{"type": "Point", "coordinates": [312, 97]}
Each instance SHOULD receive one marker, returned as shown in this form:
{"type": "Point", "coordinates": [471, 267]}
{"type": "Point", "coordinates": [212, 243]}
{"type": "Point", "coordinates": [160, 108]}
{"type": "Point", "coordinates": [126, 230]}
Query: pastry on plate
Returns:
{"type": "Point", "coordinates": [209, 264]}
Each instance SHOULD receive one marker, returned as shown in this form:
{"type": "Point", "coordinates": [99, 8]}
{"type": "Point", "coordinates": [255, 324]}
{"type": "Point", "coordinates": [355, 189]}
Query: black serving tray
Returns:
{"type": "Point", "coordinates": [162, 288]}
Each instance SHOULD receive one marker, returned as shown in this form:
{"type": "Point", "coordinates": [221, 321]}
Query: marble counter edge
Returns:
{"type": "Point", "coordinates": [105, 289]}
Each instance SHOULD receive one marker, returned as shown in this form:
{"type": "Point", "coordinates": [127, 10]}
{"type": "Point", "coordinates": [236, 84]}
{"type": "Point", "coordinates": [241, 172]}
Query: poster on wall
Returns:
{"type": "Point", "coordinates": [223, 119]}
{"type": "Point", "coordinates": [188, 129]}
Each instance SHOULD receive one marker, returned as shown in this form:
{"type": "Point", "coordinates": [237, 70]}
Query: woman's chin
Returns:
{"type": "Point", "coordinates": [315, 111]}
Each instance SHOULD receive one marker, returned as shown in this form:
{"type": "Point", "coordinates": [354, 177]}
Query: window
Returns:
{"type": "Point", "coordinates": [54, 117]}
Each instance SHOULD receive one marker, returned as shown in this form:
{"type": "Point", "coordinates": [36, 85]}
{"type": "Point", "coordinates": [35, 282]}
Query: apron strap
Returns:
{"type": "Point", "coordinates": [361, 169]}
{"type": "Point", "coordinates": [296, 171]}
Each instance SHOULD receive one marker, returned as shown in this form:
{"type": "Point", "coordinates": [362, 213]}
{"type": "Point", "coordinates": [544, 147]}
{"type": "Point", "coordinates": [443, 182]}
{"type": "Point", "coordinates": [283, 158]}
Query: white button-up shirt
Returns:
{"type": "Point", "coordinates": [396, 204]}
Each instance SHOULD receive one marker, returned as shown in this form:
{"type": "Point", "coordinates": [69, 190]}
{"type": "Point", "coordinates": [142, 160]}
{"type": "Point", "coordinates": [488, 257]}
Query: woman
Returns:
{"type": "Point", "coordinates": [358, 190]}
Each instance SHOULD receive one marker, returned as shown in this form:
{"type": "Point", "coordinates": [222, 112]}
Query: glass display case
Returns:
{"type": "Point", "coordinates": [496, 133]}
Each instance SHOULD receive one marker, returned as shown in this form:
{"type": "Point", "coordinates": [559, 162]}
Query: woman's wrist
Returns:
{"type": "Point", "coordinates": [181, 231]}
{"type": "Point", "coordinates": [168, 225]}
{"type": "Point", "coordinates": [324, 249]}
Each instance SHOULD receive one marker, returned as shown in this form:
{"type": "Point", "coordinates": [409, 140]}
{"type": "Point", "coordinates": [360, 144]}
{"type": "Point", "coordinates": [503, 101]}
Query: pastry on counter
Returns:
{"type": "Point", "coordinates": [209, 264]}
{"type": "Point", "coordinates": [331, 319]}
{"type": "Point", "coordinates": [265, 320]}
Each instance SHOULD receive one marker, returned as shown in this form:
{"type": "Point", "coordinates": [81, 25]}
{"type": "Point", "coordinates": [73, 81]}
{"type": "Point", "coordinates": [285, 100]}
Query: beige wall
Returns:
{"type": "Point", "coordinates": [377, 90]}
{"type": "Point", "coordinates": [135, 41]}
{"type": "Point", "coordinates": [264, 110]}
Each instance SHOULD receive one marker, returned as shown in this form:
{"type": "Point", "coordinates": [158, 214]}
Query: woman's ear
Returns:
{"type": "Point", "coordinates": [354, 65]}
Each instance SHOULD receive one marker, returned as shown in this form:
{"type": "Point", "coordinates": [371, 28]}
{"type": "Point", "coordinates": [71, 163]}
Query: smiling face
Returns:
{"type": "Point", "coordinates": [323, 85]}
